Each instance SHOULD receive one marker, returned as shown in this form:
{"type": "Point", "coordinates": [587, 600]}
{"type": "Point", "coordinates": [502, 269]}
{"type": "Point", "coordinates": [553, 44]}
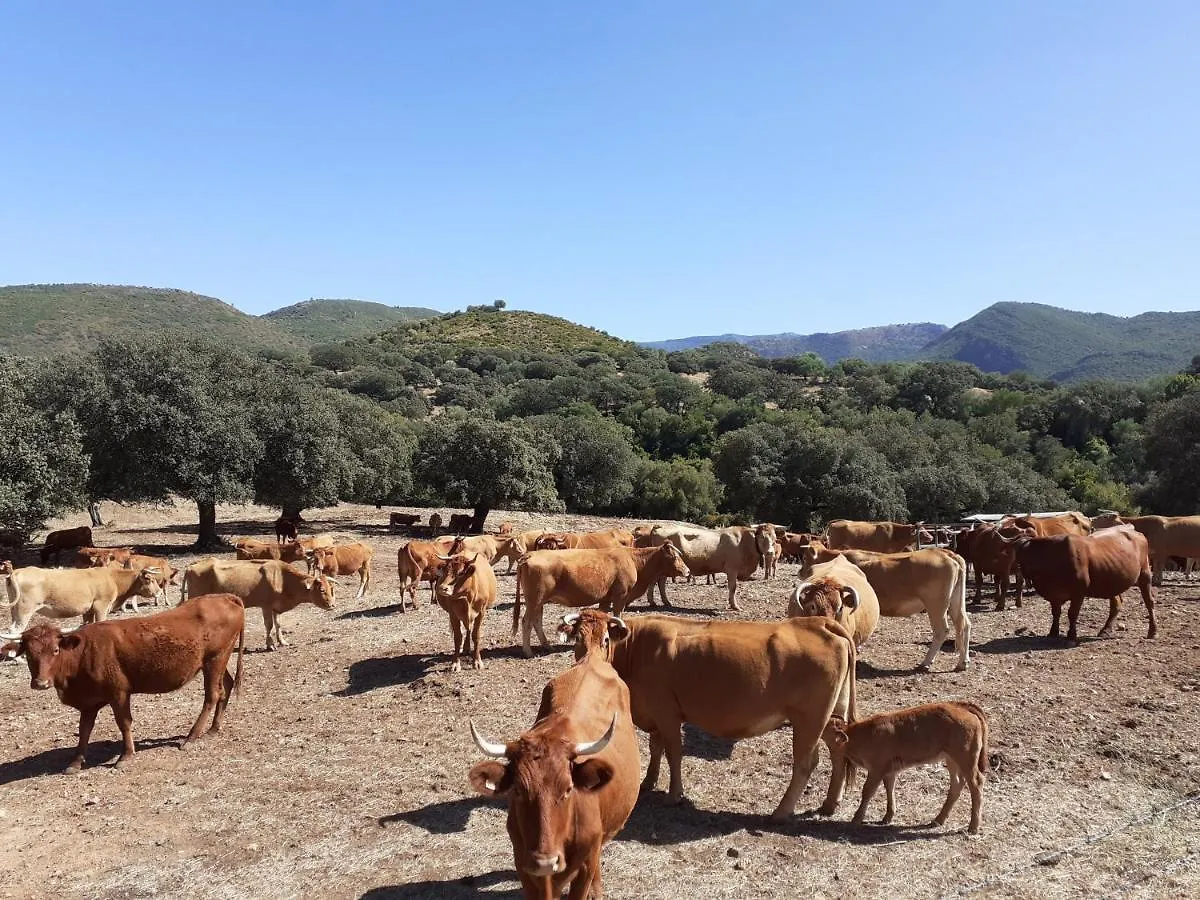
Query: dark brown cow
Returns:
{"type": "Point", "coordinates": [66, 539]}
{"type": "Point", "coordinates": [90, 557]}
{"type": "Point", "coordinates": [460, 523]}
{"type": "Point", "coordinates": [285, 529]}
{"type": "Point", "coordinates": [993, 554]}
{"type": "Point", "coordinates": [571, 780]}
{"type": "Point", "coordinates": [402, 520]}
{"type": "Point", "coordinates": [106, 663]}
{"type": "Point", "coordinates": [1067, 568]}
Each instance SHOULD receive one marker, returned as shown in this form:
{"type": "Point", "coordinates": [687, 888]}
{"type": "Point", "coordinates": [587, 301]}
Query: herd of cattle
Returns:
{"type": "Point", "coordinates": [572, 779]}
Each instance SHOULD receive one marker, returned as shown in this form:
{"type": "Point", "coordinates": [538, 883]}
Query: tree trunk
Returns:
{"type": "Point", "coordinates": [208, 538]}
{"type": "Point", "coordinates": [291, 512]}
{"type": "Point", "coordinates": [94, 512]}
{"type": "Point", "coordinates": [481, 514]}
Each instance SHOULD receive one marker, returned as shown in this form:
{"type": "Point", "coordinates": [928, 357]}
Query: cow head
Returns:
{"type": "Point", "coordinates": [641, 535]}
{"type": "Point", "coordinates": [6, 568]}
{"type": "Point", "coordinates": [672, 562]}
{"type": "Point", "coordinates": [511, 544]}
{"type": "Point", "coordinates": [150, 582]}
{"type": "Point", "coordinates": [551, 542]}
{"type": "Point", "coordinates": [454, 573]}
{"type": "Point", "coordinates": [823, 597]}
{"type": "Point", "coordinates": [320, 590]}
{"type": "Point", "coordinates": [40, 645]}
{"type": "Point", "coordinates": [764, 539]}
{"type": "Point", "coordinates": [815, 552]}
{"type": "Point", "coordinates": [592, 631]}
{"type": "Point", "coordinates": [540, 773]}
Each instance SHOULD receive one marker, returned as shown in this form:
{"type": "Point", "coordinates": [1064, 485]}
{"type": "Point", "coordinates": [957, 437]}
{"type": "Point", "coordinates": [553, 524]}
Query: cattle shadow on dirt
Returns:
{"type": "Point", "coordinates": [868, 671]}
{"type": "Point", "coordinates": [450, 817]}
{"type": "Point", "coordinates": [387, 671]}
{"type": "Point", "coordinates": [1021, 643]}
{"type": "Point", "coordinates": [703, 745]}
{"type": "Point", "coordinates": [466, 887]}
{"type": "Point", "coordinates": [372, 612]}
{"type": "Point", "coordinates": [99, 754]}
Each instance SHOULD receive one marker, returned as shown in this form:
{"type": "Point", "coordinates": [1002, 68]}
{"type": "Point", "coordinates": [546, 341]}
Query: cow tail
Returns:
{"type": "Point", "coordinates": [517, 602]}
{"type": "Point", "coordinates": [982, 763]}
{"type": "Point", "coordinates": [851, 770]}
{"type": "Point", "coordinates": [237, 673]}
{"type": "Point", "coordinates": [13, 589]}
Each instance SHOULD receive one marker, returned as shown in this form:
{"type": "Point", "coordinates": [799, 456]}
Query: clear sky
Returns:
{"type": "Point", "coordinates": [655, 169]}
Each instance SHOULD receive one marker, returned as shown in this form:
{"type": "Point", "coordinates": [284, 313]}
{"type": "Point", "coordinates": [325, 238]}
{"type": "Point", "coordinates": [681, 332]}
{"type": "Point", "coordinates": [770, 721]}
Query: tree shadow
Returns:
{"type": "Point", "coordinates": [386, 671]}
{"type": "Point", "coordinates": [99, 753]}
{"type": "Point", "coordinates": [468, 886]}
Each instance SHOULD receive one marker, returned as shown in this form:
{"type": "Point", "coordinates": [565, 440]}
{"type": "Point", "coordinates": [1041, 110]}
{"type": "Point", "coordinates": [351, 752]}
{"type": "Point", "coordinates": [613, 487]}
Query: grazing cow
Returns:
{"type": "Point", "coordinates": [91, 557]}
{"type": "Point", "coordinates": [1048, 526]}
{"type": "Point", "coordinates": [838, 590]}
{"type": "Point", "coordinates": [345, 559]}
{"type": "Point", "coordinates": [460, 523]}
{"type": "Point", "coordinates": [736, 551]}
{"type": "Point", "coordinates": [571, 780]}
{"type": "Point", "coordinates": [402, 520]}
{"type": "Point", "coordinates": [486, 544]}
{"type": "Point", "coordinates": [506, 528]}
{"type": "Point", "coordinates": [139, 561]}
{"type": "Point", "coordinates": [254, 549]}
{"type": "Point", "coordinates": [105, 664]}
{"type": "Point", "coordinates": [992, 554]}
{"type": "Point", "coordinates": [66, 593]}
{"type": "Point", "coordinates": [271, 585]}
{"type": "Point", "coordinates": [611, 577]}
{"type": "Point", "coordinates": [435, 524]}
{"type": "Point", "coordinates": [737, 680]}
{"type": "Point", "coordinates": [285, 529]}
{"type": "Point", "coordinates": [882, 537]}
{"type": "Point", "coordinates": [418, 561]}
{"type": "Point", "coordinates": [1067, 568]}
{"type": "Point", "coordinates": [66, 539]}
{"type": "Point", "coordinates": [932, 580]}
{"type": "Point", "coordinates": [1167, 536]}
{"type": "Point", "coordinates": [466, 590]}
{"type": "Point", "coordinates": [953, 732]}
{"type": "Point", "coordinates": [511, 548]}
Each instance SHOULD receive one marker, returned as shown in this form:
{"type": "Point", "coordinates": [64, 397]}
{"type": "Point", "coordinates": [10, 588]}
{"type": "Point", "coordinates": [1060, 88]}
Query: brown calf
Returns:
{"type": "Point", "coordinates": [466, 590]}
{"type": "Point", "coordinates": [886, 744]}
{"type": "Point", "coordinates": [345, 559]}
{"type": "Point", "coordinates": [105, 664]}
{"type": "Point", "coordinates": [89, 557]}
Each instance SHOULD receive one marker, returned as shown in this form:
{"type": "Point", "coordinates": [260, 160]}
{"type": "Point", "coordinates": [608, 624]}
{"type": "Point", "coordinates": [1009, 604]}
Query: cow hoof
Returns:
{"type": "Point", "coordinates": [961, 667]}
{"type": "Point", "coordinates": [74, 768]}
{"type": "Point", "coordinates": [925, 667]}
{"type": "Point", "coordinates": [826, 809]}
{"type": "Point", "coordinates": [456, 667]}
{"type": "Point", "coordinates": [672, 800]}
{"type": "Point", "coordinates": [1104, 633]}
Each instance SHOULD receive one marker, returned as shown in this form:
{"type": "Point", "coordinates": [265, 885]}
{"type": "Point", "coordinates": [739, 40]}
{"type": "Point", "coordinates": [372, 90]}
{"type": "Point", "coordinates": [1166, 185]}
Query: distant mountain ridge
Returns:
{"type": "Point", "coordinates": [326, 321]}
{"type": "Point", "coordinates": [882, 343]}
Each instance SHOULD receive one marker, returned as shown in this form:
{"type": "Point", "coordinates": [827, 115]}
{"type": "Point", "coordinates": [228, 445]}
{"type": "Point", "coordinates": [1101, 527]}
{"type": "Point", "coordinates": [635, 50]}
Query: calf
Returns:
{"type": "Point", "coordinates": [344, 559]}
{"type": "Point", "coordinates": [285, 529]}
{"type": "Point", "coordinates": [106, 663]}
{"type": "Point", "coordinates": [66, 539]}
{"type": "Point", "coordinates": [466, 590]}
{"type": "Point", "coordinates": [253, 549]}
{"type": "Point", "coordinates": [90, 557]}
{"type": "Point", "coordinates": [418, 561]}
{"type": "Point", "coordinates": [140, 562]}
{"type": "Point", "coordinates": [886, 744]}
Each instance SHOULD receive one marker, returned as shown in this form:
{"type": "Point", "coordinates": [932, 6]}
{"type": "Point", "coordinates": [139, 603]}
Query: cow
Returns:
{"type": "Point", "coordinates": [397, 520]}
{"type": "Point", "coordinates": [839, 590]}
{"type": "Point", "coordinates": [272, 586]}
{"type": "Point", "coordinates": [1167, 536]}
{"type": "Point", "coordinates": [770, 559]}
{"type": "Point", "coordinates": [316, 542]}
{"type": "Point", "coordinates": [435, 524]}
{"type": "Point", "coordinates": [66, 593]}
{"type": "Point", "coordinates": [882, 537]}
{"type": "Point", "coordinates": [106, 663]}
{"type": "Point", "coordinates": [139, 561]}
{"type": "Point", "coordinates": [510, 547]}
{"type": "Point", "coordinates": [11, 539]}
{"type": "Point", "coordinates": [506, 528]}
{"type": "Point", "coordinates": [571, 780]}
{"type": "Point", "coordinates": [90, 557]}
{"type": "Point", "coordinates": [1067, 568]}
{"type": "Point", "coordinates": [736, 680]}
{"type": "Point", "coordinates": [792, 544]}
{"type": "Point", "coordinates": [345, 559]}
{"type": "Point", "coordinates": [285, 529]}
{"type": "Point", "coordinates": [66, 539]}
{"type": "Point", "coordinates": [460, 523]}
{"type": "Point", "coordinates": [418, 561]}
{"type": "Point", "coordinates": [992, 554]}
{"type": "Point", "coordinates": [953, 732]}
{"type": "Point", "coordinates": [611, 577]}
{"type": "Point", "coordinates": [932, 580]}
{"type": "Point", "coordinates": [736, 551]}
{"type": "Point", "coordinates": [254, 549]}
{"type": "Point", "coordinates": [587, 540]}
{"type": "Point", "coordinates": [487, 544]}
{"type": "Point", "coordinates": [641, 535]}
{"type": "Point", "coordinates": [466, 590]}
{"type": "Point", "coordinates": [1048, 526]}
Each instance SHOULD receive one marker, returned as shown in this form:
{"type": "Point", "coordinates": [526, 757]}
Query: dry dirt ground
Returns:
{"type": "Point", "coordinates": [342, 768]}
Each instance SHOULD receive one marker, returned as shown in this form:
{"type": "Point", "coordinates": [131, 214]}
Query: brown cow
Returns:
{"type": "Point", "coordinates": [506, 528]}
{"type": "Point", "coordinates": [66, 539]}
{"type": "Point", "coordinates": [285, 529]}
{"type": "Point", "coordinates": [345, 559]}
{"type": "Point", "coordinates": [1068, 568]}
{"type": "Point", "coordinates": [254, 549]}
{"type": "Point", "coordinates": [1167, 535]}
{"type": "Point", "coordinates": [66, 593]}
{"type": "Point", "coordinates": [612, 577]}
{"type": "Point", "coordinates": [737, 680]}
{"type": "Point", "coordinates": [792, 544]}
{"type": "Point", "coordinates": [466, 590]}
{"type": "Point", "coordinates": [882, 537]}
{"type": "Point", "coordinates": [587, 540]}
{"type": "Point", "coordinates": [402, 520]}
{"type": "Point", "coordinates": [954, 732]}
{"type": "Point", "coordinates": [1049, 526]}
{"type": "Point", "coordinates": [106, 663]}
{"type": "Point", "coordinates": [569, 791]}
{"type": "Point", "coordinates": [418, 561]}
{"type": "Point", "coordinates": [91, 557]}
{"type": "Point", "coordinates": [486, 544]}
{"type": "Point", "coordinates": [271, 585]}
{"type": "Point", "coordinates": [139, 562]}
{"type": "Point", "coordinates": [839, 590]}
{"type": "Point", "coordinates": [460, 523]}
{"type": "Point", "coordinates": [992, 554]}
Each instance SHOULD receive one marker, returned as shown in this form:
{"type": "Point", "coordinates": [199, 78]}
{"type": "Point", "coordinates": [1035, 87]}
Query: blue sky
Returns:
{"type": "Point", "coordinates": [654, 169]}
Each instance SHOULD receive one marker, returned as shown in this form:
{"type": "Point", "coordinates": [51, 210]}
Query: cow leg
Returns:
{"type": "Point", "coordinates": [731, 579]}
{"type": "Point", "coordinates": [212, 697]}
{"type": "Point", "coordinates": [806, 737]}
{"type": "Point", "coordinates": [87, 719]}
{"type": "Point", "coordinates": [124, 716]}
{"type": "Point", "coordinates": [227, 684]}
{"type": "Point", "coordinates": [1114, 607]}
{"type": "Point", "coordinates": [1159, 563]}
{"type": "Point", "coordinates": [940, 632]}
{"type": "Point", "coordinates": [1148, 599]}
{"type": "Point", "coordinates": [672, 738]}
{"type": "Point", "coordinates": [527, 626]}
{"type": "Point", "coordinates": [269, 624]}
{"type": "Point", "coordinates": [650, 782]}
{"type": "Point", "coordinates": [978, 586]}
{"type": "Point", "coordinates": [870, 786]}
{"type": "Point", "coordinates": [956, 785]}
{"type": "Point", "coordinates": [1019, 577]}
{"type": "Point", "coordinates": [476, 634]}
{"type": "Point", "coordinates": [457, 635]}
{"type": "Point", "coordinates": [975, 785]}
{"type": "Point", "coordinates": [539, 625]}
{"type": "Point", "coordinates": [1055, 614]}
{"type": "Point", "coordinates": [586, 883]}
{"type": "Point", "coordinates": [1073, 618]}
{"type": "Point", "coordinates": [662, 591]}
{"type": "Point", "coordinates": [889, 789]}
{"type": "Point", "coordinates": [1001, 589]}
{"type": "Point", "coordinates": [364, 581]}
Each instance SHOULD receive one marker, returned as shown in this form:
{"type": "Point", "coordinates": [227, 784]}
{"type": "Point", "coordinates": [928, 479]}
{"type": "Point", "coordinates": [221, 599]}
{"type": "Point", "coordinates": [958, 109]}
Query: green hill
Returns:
{"type": "Point", "coordinates": [42, 319]}
{"type": "Point", "coordinates": [1071, 346]}
{"type": "Point", "coordinates": [326, 321]}
{"type": "Point", "coordinates": [516, 330]}
{"type": "Point", "coordinates": [884, 343]}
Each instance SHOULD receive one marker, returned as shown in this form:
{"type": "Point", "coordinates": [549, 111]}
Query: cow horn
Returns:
{"type": "Point", "coordinates": [486, 747]}
{"type": "Point", "coordinates": [588, 748]}
{"type": "Point", "coordinates": [570, 619]}
{"type": "Point", "coordinates": [444, 558]}
{"type": "Point", "coordinates": [851, 603]}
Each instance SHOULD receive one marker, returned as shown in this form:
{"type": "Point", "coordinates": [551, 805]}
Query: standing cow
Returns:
{"type": "Point", "coordinates": [839, 590]}
{"type": "Point", "coordinates": [344, 559]}
{"type": "Point", "coordinates": [65, 539]}
{"type": "Point", "coordinates": [66, 593]}
{"type": "Point", "coordinates": [735, 551]}
{"type": "Point", "coordinates": [466, 590]}
{"type": "Point", "coordinates": [882, 537]}
{"type": "Point", "coordinates": [1167, 536]}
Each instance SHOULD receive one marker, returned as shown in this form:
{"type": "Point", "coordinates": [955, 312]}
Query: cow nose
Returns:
{"type": "Point", "coordinates": [39, 684]}
{"type": "Point", "coordinates": [544, 865]}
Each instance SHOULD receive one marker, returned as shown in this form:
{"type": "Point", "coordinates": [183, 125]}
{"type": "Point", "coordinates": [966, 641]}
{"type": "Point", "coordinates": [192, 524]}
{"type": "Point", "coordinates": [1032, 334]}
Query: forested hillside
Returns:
{"type": "Point", "coordinates": [321, 321]}
{"type": "Point", "coordinates": [883, 343]}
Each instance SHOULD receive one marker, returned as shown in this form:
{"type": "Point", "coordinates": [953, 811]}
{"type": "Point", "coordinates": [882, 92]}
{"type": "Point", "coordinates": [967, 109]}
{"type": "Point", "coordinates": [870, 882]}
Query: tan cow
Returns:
{"type": "Point", "coordinates": [612, 577]}
{"type": "Point", "coordinates": [418, 561]}
{"type": "Point", "coordinates": [736, 680]}
{"type": "Point", "coordinates": [586, 540]}
{"type": "Point", "coordinates": [273, 586]}
{"type": "Point", "coordinates": [66, 593]}
{"type": "Point", "coordinates": [89, 557]}
{"type": "Point", "coordinates": [254, 549]}
{"type": "Point", "coordinates": [735, 551]}
{"type": "Point", "coordinates": [953, 732]}
{"type": "Point", "coordinates": [138, 561]}
{"type": "Point", "coordinates": [1048, 526]}
{"type": "Point", "coordinates": [1167, 536]}
{"type": "Point", "coordinates": [466, 590]}
{"type": "Point", "coordinates": [882, 537]}
{"type": "Point", "coordinates": [932, 580]}
{"type": "Point", "coordinates": [344, 559]}
{"type": "Point", "coordinates": [838, 589]}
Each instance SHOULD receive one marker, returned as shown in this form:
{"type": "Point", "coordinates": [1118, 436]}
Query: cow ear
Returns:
{"type": "Point", "coordinates": [617, 629]}
{"type": "Point", "coordinates": [12, 650]}
{"type": "Point", "coordinates": [591, 774]}
{"type": "Point", "coordinates": [69, 641]}
{"type": "Point", "coordinates": [490, 778]}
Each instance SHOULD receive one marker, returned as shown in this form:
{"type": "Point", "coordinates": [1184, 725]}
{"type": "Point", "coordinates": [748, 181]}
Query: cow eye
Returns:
{"type": "Point", "coordinates": [56, 651]}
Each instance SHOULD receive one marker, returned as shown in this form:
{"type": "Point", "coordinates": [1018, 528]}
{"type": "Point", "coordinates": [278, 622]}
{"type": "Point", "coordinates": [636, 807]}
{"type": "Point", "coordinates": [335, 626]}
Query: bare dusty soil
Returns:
{"type": "Point", "coordinates": [342, 768]}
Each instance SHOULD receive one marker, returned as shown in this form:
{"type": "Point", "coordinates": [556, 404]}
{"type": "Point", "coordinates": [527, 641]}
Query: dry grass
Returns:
{"type": "Point", "coordinates": [342, 770]}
